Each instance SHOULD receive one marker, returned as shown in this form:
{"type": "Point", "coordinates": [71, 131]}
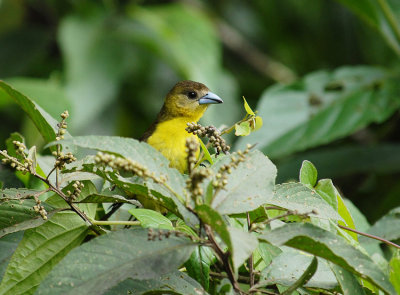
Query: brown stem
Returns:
{"type": "Point", "coordinates": [66, 199]}
{"type": "Point", "coordinates": [251, 258]}
{"type": "Point", "coordinates": [224, 257]}
{"type": "Point", "coordinates": [370, 236]}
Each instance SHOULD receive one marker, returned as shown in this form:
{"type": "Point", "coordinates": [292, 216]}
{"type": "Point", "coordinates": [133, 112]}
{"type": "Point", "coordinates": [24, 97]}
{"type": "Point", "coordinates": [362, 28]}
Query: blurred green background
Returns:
{"type": "Point", "coordinates": [324, 76]}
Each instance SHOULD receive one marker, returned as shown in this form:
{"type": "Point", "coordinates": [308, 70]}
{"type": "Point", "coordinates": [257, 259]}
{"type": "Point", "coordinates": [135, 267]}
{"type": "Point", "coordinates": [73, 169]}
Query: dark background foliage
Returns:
{"type": "Point", "coordinates": [110, 64]}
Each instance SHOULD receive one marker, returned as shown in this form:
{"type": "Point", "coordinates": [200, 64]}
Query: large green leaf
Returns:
{"type": "Point", "coordinates": [304, 278]}
{"type": "Point", "coordinates": [250, 185]}
{"type": "Point", "coordinates": [40, 249]}
{"type": "Point", "coordinates": [211, 217]}
{"type": "Point", "coordinates": [151, 218]}
{"type": "Point", "coordinates": [243, 243]}
{"type": "Point", "coordinates": [172, 283]}
{"type": "Point", "coordinates": [298, 197]}
{"type": "Point", "coordinates": [382, 15]}
{"type": "Point", "coordinates": [49, 94]}
{"type": "Point", "coordinates": [288, 266]}
{"type": "Point", "coordinates": [45, 123]}
{"type": "Point", "coordinates": [347, 281]}
{"type": "Point", "coordinates": [387, 227]}
{"type": "Point", "coordinates": [8, 244]}
{"type": "Point", "coordinates": [199, 264]}
{"type": "Point", "coordinates": [148, 157]}
{"type": "Point", "coordinates": [17, 214]}
{"type": "Point", "coordinates": [322, 243]}
{"type": "Point", "coordinates": [395, 270]}
{"type": "Point", "coordinates": [124, 254]}
{"type": "Point", "coordinates": [322, 107]}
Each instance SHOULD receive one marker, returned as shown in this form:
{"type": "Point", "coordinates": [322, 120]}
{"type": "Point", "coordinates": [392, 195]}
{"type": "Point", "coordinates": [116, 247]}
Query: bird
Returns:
{"type": "Point", "coordinates": [185, 103]}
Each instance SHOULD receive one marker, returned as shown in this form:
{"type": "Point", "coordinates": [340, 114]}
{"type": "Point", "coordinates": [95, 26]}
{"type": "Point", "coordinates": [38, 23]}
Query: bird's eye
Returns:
{"type": "Point", "coordinates": [192, 94]}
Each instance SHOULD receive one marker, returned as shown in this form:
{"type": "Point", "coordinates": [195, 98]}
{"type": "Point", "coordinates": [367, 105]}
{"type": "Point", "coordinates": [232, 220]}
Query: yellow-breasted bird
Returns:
{"type": "Point", "coordinates": [185, 103]}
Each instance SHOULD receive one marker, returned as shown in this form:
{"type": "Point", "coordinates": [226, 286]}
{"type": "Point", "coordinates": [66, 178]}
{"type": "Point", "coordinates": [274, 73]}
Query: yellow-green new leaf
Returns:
{"type": "Point", "coordinates": [247, 108]}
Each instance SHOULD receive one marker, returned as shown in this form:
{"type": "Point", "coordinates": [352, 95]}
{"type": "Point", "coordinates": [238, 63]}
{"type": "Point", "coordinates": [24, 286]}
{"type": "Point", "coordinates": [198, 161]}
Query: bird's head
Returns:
{"type": "Point", "coordinates": [189, 99]}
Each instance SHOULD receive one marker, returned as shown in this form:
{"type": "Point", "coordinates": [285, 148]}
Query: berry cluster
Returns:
{"type": "Point", "coordinates": [127, 165]}
{"type": "Point", "coordinates": [78, 186]}
{"type": "Point", "coordinates": [212, 134]}
{"type": "Point", "coordinates": [26, 165]}
{"type": "Point", "coordinates": [39, 208]}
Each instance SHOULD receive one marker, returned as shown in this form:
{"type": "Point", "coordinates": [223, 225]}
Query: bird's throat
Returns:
{"type": "Point", "coordinates": [170, 138]}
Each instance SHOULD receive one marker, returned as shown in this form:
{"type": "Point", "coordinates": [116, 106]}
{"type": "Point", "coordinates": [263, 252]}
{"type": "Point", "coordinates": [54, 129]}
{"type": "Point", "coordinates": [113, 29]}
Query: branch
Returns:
{"type": "Point", "coordinates": [251, 261]}
{"type": "Point", "coordinates": [224, 257]}
{"type": "Point", "coordinates": [66, 199]}
{"type": "Point", "coordinates": [370, 236]}
{"type": "Point", "coordinates": [115, 222]}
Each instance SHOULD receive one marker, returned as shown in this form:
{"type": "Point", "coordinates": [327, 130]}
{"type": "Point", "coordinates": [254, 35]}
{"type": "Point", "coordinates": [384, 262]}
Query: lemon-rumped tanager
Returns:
{"type": "Point", "coordinates": [185, 103]}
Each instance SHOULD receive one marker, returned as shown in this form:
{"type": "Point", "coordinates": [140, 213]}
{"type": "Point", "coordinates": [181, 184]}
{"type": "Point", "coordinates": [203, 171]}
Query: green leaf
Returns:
{"type": "Point", "coordinates": [345, 214]}
{"type": "Point", "coordinates": [151, 218]}
{"type": "Point", "coordinates": [250, 185]}
{"type": "Point", "coordinates": [382, 15]}
{"type": "Point", "coordinates": [198, 265]}
{"type": "Point", "coordinates": [17, 214]}
{"type": "Point", "coordinates": [125, 254]}
{"type": "Point", "coordinates": [395, 270]}
{"type": "Point", "coordinates": [298, 197]}
{"type": "Point", "coordinates": [40, 249]}
{"type": "Point", "coordinates": [15, 136]}
{"type": "Point", "coordinates": [243, 244]}
{"type": "Point", "coordinates": [100, 198]}
{"type": "Point", "coordinates": [8, 244]}
{"type": "Point", "coordinates": [387, 226]}
{"type": "Point", "coordinates": [308, 174]}
{"type": "Point", "coordinates": [305, 277]}
{"type": "Point", "coordinates": [256, 123]}
{"type": "Point", "coordinates": [146, 156]}
{"type": "Point", "coordinates": [46, 124]}
{"type": "Point", "coordinates": [206, 156]}
{"type": "Point", "coordinates": [312, 239]}
{"type": "Point", "coordinates": [328, 192]}
{"type": "Point", "coordinates": [172, 283]}
{"type": "Point", "coordinates": [323, 107]}
{"type": "Point", "coordinates": [47, 93]}
{"type": "Point", "coordinates": [347, 281]}
{"type": "Point", "coordinates": [288, 267]}
{"type": "Point", "coordinates": [247, 107]}
{"type": "Point", "coordinates": [242, 129]}
{"type": "Point", "coordinates": [211, 217]}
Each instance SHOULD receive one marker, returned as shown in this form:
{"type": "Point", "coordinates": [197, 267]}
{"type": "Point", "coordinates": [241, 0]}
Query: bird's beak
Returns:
{"type": "Point", "coordinates": [210, 98]}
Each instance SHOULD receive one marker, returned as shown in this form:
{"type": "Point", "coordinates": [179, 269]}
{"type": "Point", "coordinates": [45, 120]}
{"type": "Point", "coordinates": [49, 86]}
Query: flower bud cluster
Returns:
{"type": "Point", "coordinates": [62, 159]}
{"type": "Point", "coordinates": [62, 126]}
{"type": "Point", "coordinates": [193, 183]}
{"type": "Point", "coordinates": [39, 208]}
{"type": "Point", "coordinates": [154, 234]}
{"type": "Point", "coordinates": [78, 186]}
{"type": "Point", "coordinates": [127, 165]}
{"type": "Point", "coordinates": [221, 178]}
{"type": "Point", "coordinates": [192, 147]}
{"type": "Point", "coordinates": [213, 135]}
{"type": "Point", "coordinates": [25, 165]}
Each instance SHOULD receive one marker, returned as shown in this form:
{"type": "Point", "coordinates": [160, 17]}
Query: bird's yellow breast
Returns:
{"type": "Point", "coordinates": [169, 138]}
